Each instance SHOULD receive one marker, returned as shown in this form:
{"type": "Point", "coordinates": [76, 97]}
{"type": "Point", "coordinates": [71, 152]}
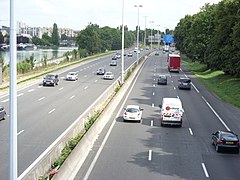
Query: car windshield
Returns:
{"type": "Point", "coordinates": [50, 76]}
{"type": "Point", "coordinates": [229, 137]}
{"type": "Point", "coordinates": [108, 73]}
{"type": "Point", "coordinates": [162, 77]}
{"type": "Point", "coordinates": [185, 80]}
{"type": "Point", "coordinates": [132, 110]}
{"type": "Point", "coordinates": [72, 74]}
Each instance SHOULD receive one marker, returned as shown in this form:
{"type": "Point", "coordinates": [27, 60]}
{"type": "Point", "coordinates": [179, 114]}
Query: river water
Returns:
{"type": "Point", "coordinates": [38, 53]}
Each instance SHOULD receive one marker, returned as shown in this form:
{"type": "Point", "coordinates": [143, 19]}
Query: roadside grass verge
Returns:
{"type": "Point", "coordinates": [226, 87]}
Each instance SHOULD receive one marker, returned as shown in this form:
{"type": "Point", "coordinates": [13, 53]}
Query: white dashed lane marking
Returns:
{"type": "Point", "coordinates": [41, 98]}
{"type": "Point", "coordinates": [30, 90]}
{"type": "Point", "coordinates": [51, 111]}
{"type": "Point", "coordinates": [20, 94]}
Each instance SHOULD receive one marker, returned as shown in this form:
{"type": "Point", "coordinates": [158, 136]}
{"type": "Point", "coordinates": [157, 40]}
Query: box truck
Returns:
{"type": "Point", "coordinates": [174, 61]}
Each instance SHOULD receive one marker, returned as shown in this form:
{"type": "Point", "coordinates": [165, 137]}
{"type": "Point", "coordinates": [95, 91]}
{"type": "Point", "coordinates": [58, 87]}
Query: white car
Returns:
{"type": "Point", "coordinates": [132, 113]}
{"type": "Point", "coordinates": [108, 75]}
{"type": "Point", "coordinates": [72, 76]}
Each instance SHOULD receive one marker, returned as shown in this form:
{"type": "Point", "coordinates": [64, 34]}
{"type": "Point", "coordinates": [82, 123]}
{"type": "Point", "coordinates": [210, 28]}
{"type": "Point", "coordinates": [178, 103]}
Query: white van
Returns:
{"type": "Point", "coordinates": [171, 111]}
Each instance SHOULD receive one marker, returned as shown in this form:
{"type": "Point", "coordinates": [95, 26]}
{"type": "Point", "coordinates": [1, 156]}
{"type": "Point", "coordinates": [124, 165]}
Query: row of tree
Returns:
{"type": "Point", "coordinates": [212, 36]}
{"type": "Point", "coordinates": [94, 39]}
{"type": "Point", "coordinates": [47, 40]}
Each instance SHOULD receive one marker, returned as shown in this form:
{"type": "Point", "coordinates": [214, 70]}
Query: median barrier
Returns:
{"type": "Point", "coordinates": [43, 163]}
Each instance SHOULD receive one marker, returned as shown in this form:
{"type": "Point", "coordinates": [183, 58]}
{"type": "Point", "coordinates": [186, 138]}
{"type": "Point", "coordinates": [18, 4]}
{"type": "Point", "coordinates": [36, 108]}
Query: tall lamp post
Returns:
{"type": "Point", "coordinates": [151, 33]}
{"type": "Point", "coordinates": [138, 6]}
{"type": "Point", "coordinates": [13, 95]}
{"type": "Point", "coordinates": [158, 36]}
{"type": "Point", "coordinates": [145, 34]}
{"type": "Point", "coordinates": [122, 42]}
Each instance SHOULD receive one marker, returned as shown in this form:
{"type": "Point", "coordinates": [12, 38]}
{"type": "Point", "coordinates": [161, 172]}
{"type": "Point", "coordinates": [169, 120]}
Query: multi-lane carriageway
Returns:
{"type": "Point", "coordinates": [44, 113]}
{"type": "Point", "coordinates": [127, 150]}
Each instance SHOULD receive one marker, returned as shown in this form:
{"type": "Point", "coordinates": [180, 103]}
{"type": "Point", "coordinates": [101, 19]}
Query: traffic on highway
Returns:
{"type": "Point", "coordinates": [47, 108]}
{"type": "Point", "coordinates": [157, 131]}
{"type": "Point", "coordinates": [147, 150]}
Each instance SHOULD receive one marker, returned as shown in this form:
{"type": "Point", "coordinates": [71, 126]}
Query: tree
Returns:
{"type": "Point", "coordinates": [55, 35]}
{"type": "Point", "coordinates": [46, 39]}
{"type": "Point", "coordinates": [1, 37]}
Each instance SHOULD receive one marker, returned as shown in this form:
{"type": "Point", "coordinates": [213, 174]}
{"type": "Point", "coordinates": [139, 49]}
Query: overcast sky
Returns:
{"type": "Point", "coordinates": [76, 14]}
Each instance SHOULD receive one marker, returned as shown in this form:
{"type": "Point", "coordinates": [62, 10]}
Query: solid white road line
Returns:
{"type": "Point", "coordinates": [151, 122]}
{"type": "Point", "coordinates": [61, 89]}
{"type": "Point", "coordinates": [20, 94]}
{"type": "Point", "coordinates": [30, 90]}
{"type": "Point", "coordinates": [72, 97]}
{"type": "Point", "coordinates": [205, 170]}
{"type": "Point", "coordinates": [195, 88]}
{"type": "Point", "coordinates": [51, 111]}
{"type": "Point", "coordinates": [150, 155]}
{"type": "Point", "coordinates": [6, 100]}
{"type": "Point", "coordinates": [20, 132]}
{"type": "Point", "coordinates": [190, 130]}
{"type": "Point", "coordinates": [220, 119]}
{"type": "Point", "coordinates": [41, 98]}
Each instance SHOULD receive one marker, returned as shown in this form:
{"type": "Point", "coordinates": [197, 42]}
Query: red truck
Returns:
{"type": "Point", "coordinates": [174, 62]}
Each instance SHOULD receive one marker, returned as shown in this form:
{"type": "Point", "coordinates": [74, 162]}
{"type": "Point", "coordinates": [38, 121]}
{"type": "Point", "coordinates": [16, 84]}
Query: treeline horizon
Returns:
{"type": "Point", "coordinates": [212, 36]}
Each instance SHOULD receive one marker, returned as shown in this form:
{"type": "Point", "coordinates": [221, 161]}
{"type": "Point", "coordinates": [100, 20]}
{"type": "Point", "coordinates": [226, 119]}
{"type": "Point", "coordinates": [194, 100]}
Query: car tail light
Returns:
{"type": "Point", "coordinates": [125, 113]}
{"type": "Point", "coordinates": [220, 142]}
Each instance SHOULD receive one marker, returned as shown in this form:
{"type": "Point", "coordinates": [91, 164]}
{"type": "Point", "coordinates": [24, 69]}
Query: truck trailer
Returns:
{"type": "Point", "coordinates": [174, 61]}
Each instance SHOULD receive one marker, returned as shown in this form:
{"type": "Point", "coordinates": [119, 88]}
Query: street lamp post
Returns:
{"type": "Point", "coordinates": [122, 42]}
{"type": "Point", "coordinates": [138, 6]}
{"type": "Point", "coordinates": [145, 35]}
{"type": "Point", "coordinates": [158, 37]}
{"type": "Point", "coordinates": [151, 33]}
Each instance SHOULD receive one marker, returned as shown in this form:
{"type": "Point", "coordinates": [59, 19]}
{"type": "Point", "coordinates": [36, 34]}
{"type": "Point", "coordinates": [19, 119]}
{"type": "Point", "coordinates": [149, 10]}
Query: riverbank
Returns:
{"type": "Point", "coordinates": [226, 87]}
{"type": "Point", "coordinates": [21, 78]}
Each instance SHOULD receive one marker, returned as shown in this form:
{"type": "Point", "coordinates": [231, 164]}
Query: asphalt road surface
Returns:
{"type": "Point", "coordinates": [147, 151]}
{"type": "Point", "coordinates": [44, 113]}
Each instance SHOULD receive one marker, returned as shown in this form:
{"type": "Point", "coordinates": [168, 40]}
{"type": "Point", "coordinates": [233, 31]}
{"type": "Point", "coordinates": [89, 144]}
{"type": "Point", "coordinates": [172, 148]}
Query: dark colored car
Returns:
{"type": "Point", "coordinates": [101, 71]}
{"type": "Point", "coordinates": [225, 140]}
{"type": "Point", "coordinates": [156, 53]}
{"type": "Point", "coordinates": [184, 83]}
{"type": "Point", "coordinates": [51, 80]}
{"type": "Point", "coordinates": [162, 80]}
{"type": "Point", "coordinates": [3, 113]}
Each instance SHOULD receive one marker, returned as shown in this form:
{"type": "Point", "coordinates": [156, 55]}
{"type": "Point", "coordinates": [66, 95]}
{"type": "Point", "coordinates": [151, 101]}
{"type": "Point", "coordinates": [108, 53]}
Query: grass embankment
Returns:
{"type": "Point", "coordinates": [224, 86]}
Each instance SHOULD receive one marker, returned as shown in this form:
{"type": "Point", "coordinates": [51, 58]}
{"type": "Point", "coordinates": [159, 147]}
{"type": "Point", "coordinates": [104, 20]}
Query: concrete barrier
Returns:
{"type": "Point", "coordinates": [43, 163]}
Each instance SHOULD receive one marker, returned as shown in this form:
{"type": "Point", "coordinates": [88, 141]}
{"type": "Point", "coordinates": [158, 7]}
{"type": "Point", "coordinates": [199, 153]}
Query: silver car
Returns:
{"type": "Point", "coordinates": [108, 75]}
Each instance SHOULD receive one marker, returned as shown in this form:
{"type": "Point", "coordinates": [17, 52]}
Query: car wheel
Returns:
{"type": "Point", "coordinates": [217, 148]}
{"type": "Point", "coordinates": [237, 150]}
{"type": "Point", "coordinates": [162, 125]}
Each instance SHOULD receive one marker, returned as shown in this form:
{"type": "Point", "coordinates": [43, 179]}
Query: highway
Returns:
{"type": "Point", "coordinates": [147, 151]}
{"type": "Point", "coordinates": [44, 113]}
